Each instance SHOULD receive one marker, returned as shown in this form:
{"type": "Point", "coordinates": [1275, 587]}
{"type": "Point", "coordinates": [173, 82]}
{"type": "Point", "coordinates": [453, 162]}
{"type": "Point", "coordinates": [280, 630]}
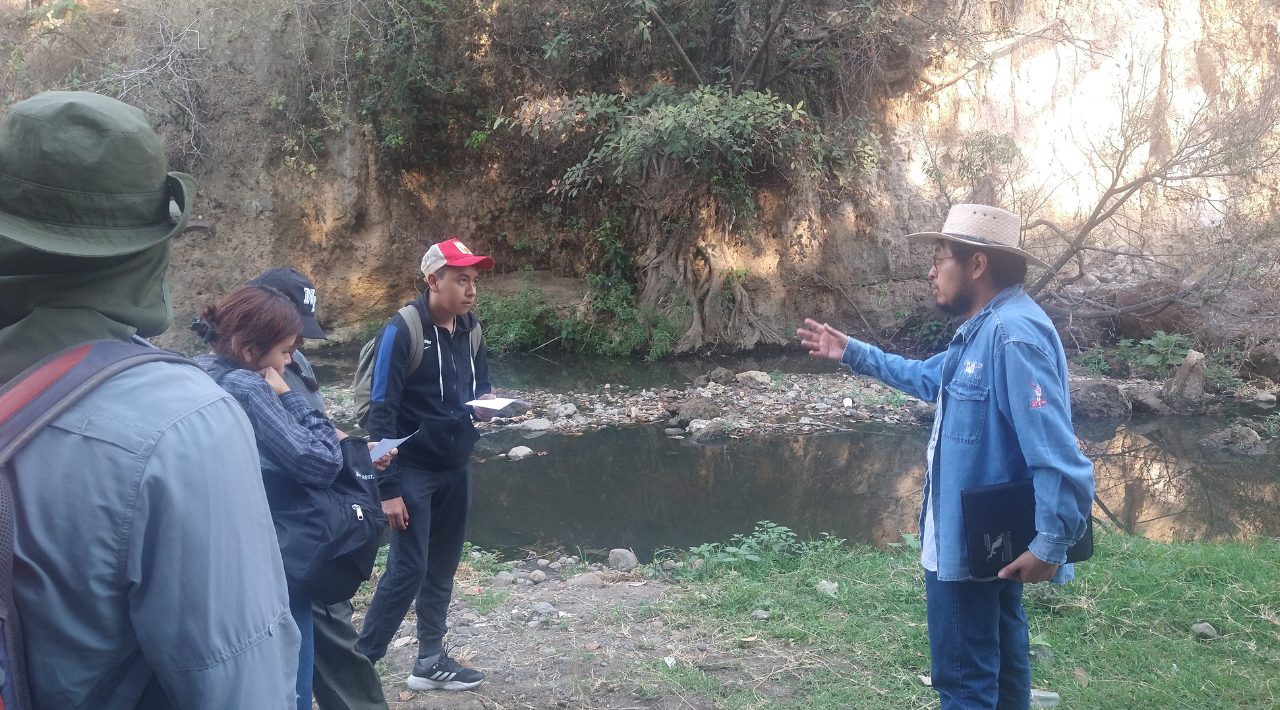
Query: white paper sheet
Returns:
{"type": "Point", "coordinates": [386, 445]}
{"type": "Point", "coordinates": [494, 404]}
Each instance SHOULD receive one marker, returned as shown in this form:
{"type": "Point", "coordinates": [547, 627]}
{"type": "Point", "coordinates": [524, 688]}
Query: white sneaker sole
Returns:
{"type": "Point", "coordinates": [418, 683]}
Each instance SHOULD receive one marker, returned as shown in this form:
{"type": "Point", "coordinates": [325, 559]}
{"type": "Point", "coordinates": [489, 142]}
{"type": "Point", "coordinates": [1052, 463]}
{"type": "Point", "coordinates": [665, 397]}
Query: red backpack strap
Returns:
{"type": "Point", "coordinates": [48, 388]}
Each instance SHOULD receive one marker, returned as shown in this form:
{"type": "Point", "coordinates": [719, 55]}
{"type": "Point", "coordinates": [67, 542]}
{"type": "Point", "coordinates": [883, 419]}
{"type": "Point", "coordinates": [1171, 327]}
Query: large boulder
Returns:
{"type": "Point", "coordinates": [1184, 392]}
{"type": "Point", "coordinates": [1145, 398]}
{"type": "Point", "coordinates": [695, 408]}
{"type": "Point", "coordinates": [1098, 399]}
{"type": "Point", "coordinates": [721, 376]}
{"type": "Point", "coordinates": [1264, 360]}
{"type": "Point", "coordinates": [1237, 440]}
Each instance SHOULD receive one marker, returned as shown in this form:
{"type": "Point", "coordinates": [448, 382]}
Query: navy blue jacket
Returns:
{"type": "Point", "coordinates": [430, 401]}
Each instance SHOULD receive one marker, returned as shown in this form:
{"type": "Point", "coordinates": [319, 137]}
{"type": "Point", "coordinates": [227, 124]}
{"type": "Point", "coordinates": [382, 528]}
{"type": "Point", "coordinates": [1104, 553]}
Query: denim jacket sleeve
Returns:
{"type": "Point", "coordinates": [921, 379]}
{"type": "Point", "coordinates": [1034, 394]}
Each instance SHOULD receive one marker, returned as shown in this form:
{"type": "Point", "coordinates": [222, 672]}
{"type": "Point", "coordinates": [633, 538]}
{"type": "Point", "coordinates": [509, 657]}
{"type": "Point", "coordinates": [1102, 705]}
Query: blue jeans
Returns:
{"type": "Point", "coordinates": [300, 607]}
{"type": "Point", "coordinates": [978, 641]}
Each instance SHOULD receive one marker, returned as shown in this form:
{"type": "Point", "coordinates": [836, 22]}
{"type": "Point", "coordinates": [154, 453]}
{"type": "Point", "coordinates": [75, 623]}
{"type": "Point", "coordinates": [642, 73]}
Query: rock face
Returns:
{"type": "Point", "coordinates": [1184, 392]}
{"type": "Point", "coordinates": [1098, 399]}
{"type": "Point", "coordinates": [623, 560]}
{"type": "Point", "coordinates": [1264, 360]}
{"type": "Point", "coordinates": [696, 408]}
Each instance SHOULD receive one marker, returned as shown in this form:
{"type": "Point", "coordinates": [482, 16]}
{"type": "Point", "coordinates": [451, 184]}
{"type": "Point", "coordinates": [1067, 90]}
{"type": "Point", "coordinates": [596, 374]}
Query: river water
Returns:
{"type": "Point", "coordinates": [634, 487]}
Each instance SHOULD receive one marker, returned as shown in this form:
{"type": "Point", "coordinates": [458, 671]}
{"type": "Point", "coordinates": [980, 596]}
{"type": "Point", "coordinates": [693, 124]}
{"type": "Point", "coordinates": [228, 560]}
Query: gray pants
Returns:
{"type": "Point", "coordinates": [421, 562]}
{"type": "Point", "coordinates": [343, 678]}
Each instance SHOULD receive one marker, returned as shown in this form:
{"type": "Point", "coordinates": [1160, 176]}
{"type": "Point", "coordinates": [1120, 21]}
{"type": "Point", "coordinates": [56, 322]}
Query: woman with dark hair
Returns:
{"type": "Point", "coordinates": [254, 331]}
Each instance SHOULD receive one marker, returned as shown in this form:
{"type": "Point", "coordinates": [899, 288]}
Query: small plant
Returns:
{"type": "Point", "coordinates": [1272, 424]}
{"type": "Point", "coordinates": [1164, 351]}
{"type": "Point", "coordinates": [909, 540]}
{"type": "Point", "coordinates": [1095, 359]}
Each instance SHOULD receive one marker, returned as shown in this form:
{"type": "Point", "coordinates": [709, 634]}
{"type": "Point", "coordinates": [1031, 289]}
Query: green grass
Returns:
{"type": "Point", "coordinates": [1125, 622]}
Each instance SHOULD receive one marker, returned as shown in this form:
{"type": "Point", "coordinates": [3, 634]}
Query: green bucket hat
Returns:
{"type": "Point", "coordinates": [84, 175]}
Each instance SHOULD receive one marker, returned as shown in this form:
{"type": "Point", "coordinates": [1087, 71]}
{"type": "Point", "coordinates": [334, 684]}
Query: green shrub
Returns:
{"type": "Point", "coordinates": [514, 322]}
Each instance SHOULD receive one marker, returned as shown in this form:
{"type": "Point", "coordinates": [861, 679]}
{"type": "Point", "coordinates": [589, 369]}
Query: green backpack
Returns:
{"type": "Point", "coordinates": [363, 384]}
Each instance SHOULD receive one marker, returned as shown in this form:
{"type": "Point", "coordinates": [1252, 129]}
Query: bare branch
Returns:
{"type": "Point", "coordinates": [764, 45]}
{"type": "Point", "coordinates": [653, 12]}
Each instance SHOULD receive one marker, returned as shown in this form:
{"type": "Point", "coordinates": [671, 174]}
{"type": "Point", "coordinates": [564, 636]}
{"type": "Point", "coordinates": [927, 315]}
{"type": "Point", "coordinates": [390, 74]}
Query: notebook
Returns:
{"type": "Point", "coordinates": [999, 524]}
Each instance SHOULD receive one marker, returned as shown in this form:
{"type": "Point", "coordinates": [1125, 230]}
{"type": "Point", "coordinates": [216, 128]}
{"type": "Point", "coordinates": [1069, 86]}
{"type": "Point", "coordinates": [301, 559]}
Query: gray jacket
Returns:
{"type": "Point", "coordinates": [143, 546]}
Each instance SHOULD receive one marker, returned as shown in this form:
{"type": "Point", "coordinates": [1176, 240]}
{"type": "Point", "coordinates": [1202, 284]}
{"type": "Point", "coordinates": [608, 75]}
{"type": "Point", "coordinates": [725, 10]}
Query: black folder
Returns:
{"type": "Point", "coordinates": [1000, 523]}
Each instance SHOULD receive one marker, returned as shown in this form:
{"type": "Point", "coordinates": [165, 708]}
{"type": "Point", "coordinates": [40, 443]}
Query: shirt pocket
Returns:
{"type": "Point", "coordinates": [965, 414]}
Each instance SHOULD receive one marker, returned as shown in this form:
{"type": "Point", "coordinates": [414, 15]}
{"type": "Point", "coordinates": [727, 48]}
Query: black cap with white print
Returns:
{"type": "Point", "coordinates": [300, 290]}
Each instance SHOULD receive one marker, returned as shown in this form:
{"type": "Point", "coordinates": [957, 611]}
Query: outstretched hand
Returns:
{"type": "Point", "coordinates": [822, 340]}
{"type": "Point", "coordinates": [1029, 569]}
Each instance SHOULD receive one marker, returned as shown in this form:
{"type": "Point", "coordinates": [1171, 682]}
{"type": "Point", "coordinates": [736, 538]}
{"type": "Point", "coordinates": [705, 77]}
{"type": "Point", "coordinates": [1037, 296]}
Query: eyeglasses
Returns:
{"type": "Point", "coordinates": [937, 261]}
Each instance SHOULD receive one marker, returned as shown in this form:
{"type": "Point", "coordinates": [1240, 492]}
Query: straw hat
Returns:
{"type": "Point", "coordinates": [981, 226]}
{"type": "Point", "coordinates": [84, 175]}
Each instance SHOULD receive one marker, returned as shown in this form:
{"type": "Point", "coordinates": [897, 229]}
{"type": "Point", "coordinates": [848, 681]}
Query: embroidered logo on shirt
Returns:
{"type": "Point", "coordinates": [1039, 400]}
{"type": "Point", "coordinates": [970, 367]}
{"type": "Point", "coordinates": [426, 343]}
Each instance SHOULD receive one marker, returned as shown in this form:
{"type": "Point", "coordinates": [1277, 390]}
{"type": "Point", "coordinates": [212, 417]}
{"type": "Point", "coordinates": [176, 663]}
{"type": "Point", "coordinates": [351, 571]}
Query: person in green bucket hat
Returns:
{"type": "Point", "coordinates": [146, 571]}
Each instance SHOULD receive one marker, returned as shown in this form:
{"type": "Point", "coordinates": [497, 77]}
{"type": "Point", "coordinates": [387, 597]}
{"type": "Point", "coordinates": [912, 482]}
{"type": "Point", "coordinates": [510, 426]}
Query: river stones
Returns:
{"type": "Point", "coordinates": [1145, 398]}
{"type": "Point", "coordinates": [754, 378]}
{"type": "Point", "coordinates": [562, 411]}
{"type": "Point", "coordinates": [589, 580]}
{"type": "Point", "coordinates": [721, 376]}
{"type": "Point", "coordinates": [1204, 631]}
{"type": "Point", "coordinates": [519, 452]}
{"type": "Point", "coordinates": [695, 408]}
{"type": "Point", "coordinates": [623, 560]}
{"type": "Point", "coordinates": [1237, 440]}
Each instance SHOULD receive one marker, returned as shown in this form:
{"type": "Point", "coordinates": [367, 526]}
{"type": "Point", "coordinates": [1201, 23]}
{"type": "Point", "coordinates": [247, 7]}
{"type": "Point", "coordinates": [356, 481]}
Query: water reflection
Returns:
{"type": "Point", "coordinates": [635, 487]}
{"type": "Point", "coordinates": [1154, 479]}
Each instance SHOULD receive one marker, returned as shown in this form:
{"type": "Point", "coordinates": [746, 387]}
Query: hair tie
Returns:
{"type": "Point", "coordinates": [203, 330]}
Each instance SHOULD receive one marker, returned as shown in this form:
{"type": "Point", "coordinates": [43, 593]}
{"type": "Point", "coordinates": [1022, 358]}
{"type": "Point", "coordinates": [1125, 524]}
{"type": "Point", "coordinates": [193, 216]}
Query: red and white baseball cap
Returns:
{"type": "Point", "coordinates": [452, 253]}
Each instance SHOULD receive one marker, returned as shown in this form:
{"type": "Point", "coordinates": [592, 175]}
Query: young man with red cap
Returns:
{"type": "Point", "coordinates": [426, 490]}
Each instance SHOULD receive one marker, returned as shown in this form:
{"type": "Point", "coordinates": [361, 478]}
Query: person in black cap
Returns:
{"type": "Point", "coordinates": [343, 678]}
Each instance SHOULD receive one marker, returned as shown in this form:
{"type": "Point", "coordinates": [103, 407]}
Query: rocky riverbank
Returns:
{"type": "Point", "coordinates": [727, 404]}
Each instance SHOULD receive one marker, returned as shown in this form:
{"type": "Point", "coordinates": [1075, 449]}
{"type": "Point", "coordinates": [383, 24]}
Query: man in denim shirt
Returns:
{"type": "Point", "coordinates": [1003, 415]}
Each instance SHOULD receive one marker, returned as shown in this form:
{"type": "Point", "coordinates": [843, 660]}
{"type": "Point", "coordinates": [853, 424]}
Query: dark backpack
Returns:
{"type": "Point", "coordinates": [28, 402]}
{"type": "Point", "coordinates": [329, 537]}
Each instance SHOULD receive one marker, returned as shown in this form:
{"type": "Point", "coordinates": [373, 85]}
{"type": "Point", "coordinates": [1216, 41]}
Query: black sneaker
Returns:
{"type": "Point", "coordinates": [444, 674]}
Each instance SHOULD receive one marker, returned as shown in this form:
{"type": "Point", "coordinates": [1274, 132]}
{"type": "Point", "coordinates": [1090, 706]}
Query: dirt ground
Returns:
{"type": "Point", "coordinates": [599, 648]}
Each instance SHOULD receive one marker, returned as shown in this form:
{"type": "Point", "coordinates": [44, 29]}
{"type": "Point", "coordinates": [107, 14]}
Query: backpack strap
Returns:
{"type": "Point", "coordinates": [477, 339]}
{"type": "Point", "coordinates": [28, 402]}
{"type": "Point", "coordinates": [413, 321]}
{"type": "Point", "coordinates": [48, 388]}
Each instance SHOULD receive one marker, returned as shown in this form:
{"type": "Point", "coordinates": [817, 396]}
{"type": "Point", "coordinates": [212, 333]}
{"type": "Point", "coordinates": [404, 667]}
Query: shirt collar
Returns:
{"type": "Point", "coordinates": [969, 327]}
